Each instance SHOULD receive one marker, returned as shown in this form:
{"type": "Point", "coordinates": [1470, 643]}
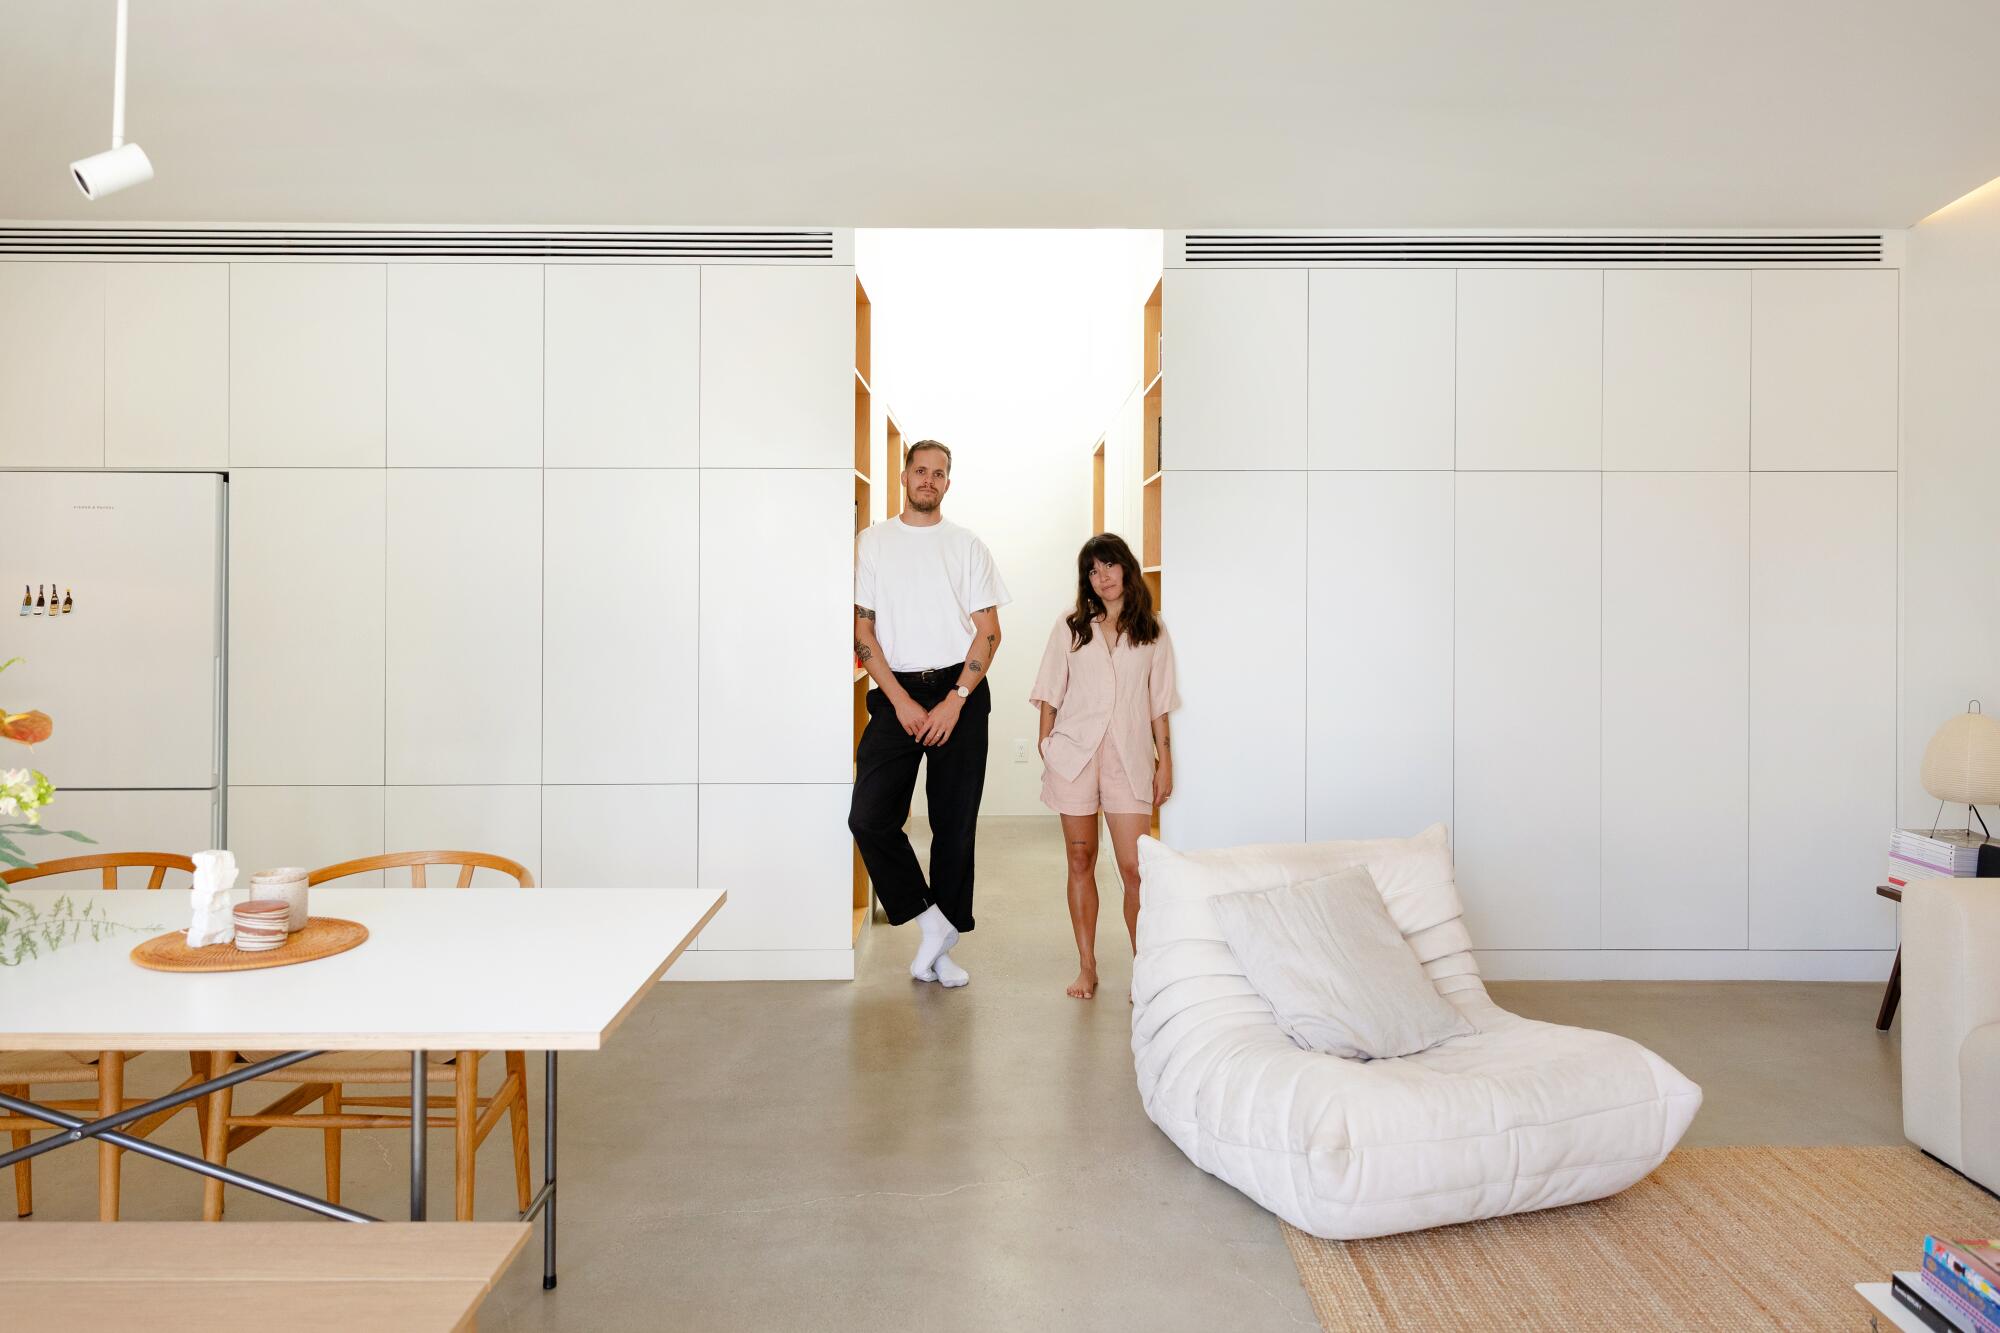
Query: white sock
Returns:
{"type": "Point", "coordinates": [938, 937]}
{"type": "Point", "coordinates": [950, 974]}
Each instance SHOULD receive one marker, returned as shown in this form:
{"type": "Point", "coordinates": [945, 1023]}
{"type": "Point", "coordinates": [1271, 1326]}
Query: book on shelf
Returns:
{"type": "Point", "coordinates": [1981, 1259]}
{"type": "Point", "coordinates": [1946, 853]}
{"type": "Point", "coordinates": [1908, 1291]}
{"type": "Point", "coordinates": [1953, 1300]}
{"type": "Point", "coordinates": [1963, 1281]}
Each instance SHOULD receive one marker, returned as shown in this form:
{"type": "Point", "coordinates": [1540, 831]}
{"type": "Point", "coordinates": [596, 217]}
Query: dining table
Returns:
{"type": "Point", "coordinates": [442, 969]}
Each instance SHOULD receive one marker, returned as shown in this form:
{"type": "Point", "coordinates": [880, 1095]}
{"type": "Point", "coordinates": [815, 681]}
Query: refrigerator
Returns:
{"type": "Point", "coordinates": [121, 637]}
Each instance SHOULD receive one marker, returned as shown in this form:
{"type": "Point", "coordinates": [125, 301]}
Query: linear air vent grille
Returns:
{"type": "Point", "coordinates": [1717, 249]}
{"type": "Point", "coordinates": [361, 243]}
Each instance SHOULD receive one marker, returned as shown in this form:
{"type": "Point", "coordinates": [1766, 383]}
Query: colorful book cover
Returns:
{"type": "Point", "coordinates": [1983, 1255]}
{"type": "Point", "coordinates": [1964, 1301]}
{"type": "Point", "coordinates": [1964, 1259]}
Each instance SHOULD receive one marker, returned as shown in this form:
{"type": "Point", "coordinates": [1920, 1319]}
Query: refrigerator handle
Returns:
{"type": "Point", "coordinates": [215, 728]}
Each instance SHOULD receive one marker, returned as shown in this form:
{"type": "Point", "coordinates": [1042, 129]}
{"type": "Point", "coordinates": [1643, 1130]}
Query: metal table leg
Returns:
{"type": "Point", "coordinates": [420, 1123]}
{"type": "Point", "coordinates": [549, 1174]}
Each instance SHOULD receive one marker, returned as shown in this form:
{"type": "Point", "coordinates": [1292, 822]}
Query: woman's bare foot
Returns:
{"type": "Point", "coordinates": [1085, 984]}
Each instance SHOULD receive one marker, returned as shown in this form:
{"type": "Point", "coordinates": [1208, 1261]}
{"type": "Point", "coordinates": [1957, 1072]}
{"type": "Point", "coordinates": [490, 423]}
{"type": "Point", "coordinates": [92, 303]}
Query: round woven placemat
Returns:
{"type": "Point", "coordinates": [322, 937]}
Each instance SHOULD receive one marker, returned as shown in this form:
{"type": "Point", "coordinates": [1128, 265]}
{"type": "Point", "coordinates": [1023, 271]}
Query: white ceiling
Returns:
{"type": "Point", "coordinates": [1286, 113]}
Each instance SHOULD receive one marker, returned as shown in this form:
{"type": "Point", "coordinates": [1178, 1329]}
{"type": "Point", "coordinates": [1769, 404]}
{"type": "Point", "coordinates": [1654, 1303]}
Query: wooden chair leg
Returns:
{"type": "Point", "coordinates": [24, 1172]}
{"type": "Point", "coordinates": [110, 1101]}
{"type": "Point", "coordinates": [517, 1115]}
{"type": "Point", "coordinates": [216, 1147]}
{"type": "Point", "coordinates": [465, 1119]}
{"type": "Point", "coordinates": [198, 1066]}
{"type": "Point", "coordinates": [331, 1104]}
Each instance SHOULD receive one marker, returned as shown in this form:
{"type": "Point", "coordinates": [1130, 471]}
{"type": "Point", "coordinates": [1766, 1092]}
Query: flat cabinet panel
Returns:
{"type": "Point", "coordinates": [51, 365]}
{"type": "Point", "coordinates": [1824, 368]}
{"type": "Point", "coordinates": [1528, 562]}
{"type": "Point", "coordinates": [465, 625]}
{"type": "Point", "coordinates": [1378, 653]}
{"type": "Point", "coordinates": [465, 365]}
{"type": "Point", "coordinates": [1822, 708]}
{"type": "Point", "coordinates": [622, 359]}
{"type": "Point", "coordinates": [793, 891]}
{"type": "Point", "coordinates": [777, 599]}
{"type": "Point", "coordinates": [505, 821]}
{"type": "Point", "coordinates": [270, 827]}
{"type": "Point", "coordinates": [618, 837]}
{"type": "Point", "coordinates": [1676, 710]}
{"type": "Point", "coordinates": [777, 367]}
{"type": "Point", "coordinates": [1676, 371]}
{"type": "Point", "coordinates": [1530, 347]}
{"type": "Point", "coordinates": [1382, 354]}
{"type": "Point", "coordinates": [129, 821]}
{"type": "Point", "coordinates": [1235, 369]}
{"type": "Point", "coordinates": [619, 659]}
{"type": "Point", "coordinates": [307, 625]}
{"type": "Point", "coordinates": [166, 365]}
{"type": "Point", "coordinates": [1239, 735]}
{"type": "Point", "coordinates": [306, 379]}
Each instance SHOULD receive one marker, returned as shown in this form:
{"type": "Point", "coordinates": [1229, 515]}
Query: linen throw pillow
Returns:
{"type": "Point", "coordinates": [1335, 969]}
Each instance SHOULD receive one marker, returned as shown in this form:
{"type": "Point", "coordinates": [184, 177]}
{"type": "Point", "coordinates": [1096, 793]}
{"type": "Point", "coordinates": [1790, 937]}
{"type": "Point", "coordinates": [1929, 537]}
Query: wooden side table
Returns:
{"type": "Point", "coordinates": [1892, 992]}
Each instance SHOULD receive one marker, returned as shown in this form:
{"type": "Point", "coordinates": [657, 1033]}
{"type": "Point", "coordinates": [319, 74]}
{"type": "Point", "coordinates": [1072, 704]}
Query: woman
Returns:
{"type": "Point", "coordinates": [1104, 689]}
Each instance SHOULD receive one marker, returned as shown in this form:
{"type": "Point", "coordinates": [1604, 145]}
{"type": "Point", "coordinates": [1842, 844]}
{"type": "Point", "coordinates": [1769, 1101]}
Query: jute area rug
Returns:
{"type": "Point", "coordinates": [1716, 1239]}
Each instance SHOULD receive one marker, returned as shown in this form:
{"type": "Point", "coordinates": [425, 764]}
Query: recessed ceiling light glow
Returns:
{"type": "Point", "coordinates": [124, 164]}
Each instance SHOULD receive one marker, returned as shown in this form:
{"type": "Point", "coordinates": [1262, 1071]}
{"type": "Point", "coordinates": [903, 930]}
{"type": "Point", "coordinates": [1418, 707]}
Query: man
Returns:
{"type": "Point", "coordinates": [927, 605]}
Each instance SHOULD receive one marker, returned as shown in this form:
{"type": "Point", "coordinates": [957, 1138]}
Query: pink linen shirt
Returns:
{"type": "Point", "coordinates": [1102, 690]}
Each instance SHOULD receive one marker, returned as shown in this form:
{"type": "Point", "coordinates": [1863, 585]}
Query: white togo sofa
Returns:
{"type": "Point", "coordinates": [1951, 1023]}
{"type": "Point", "coordinates": [1521, 1115]}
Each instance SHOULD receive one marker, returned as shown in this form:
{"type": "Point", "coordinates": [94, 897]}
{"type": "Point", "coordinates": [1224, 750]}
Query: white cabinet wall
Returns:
{"type": "Point", "coordinates": [51, 365]}
{"type": "Point", "coordinates": [306, 826]}
{"type": "Point", "coordinates": [1676, 709]}
{"type": "Point", "coordinates": [1382, 355]}
{"type": "Point", "coordinates": [307, 625]}
{"type": "Point", "coordinates": [464, 626]}
{"type": "Point", "coordinates": [1378, 652]}
{"type": "Point", "coordinates": [619, 836]}
{"type": "Point", "coordinates": [166, 366]}
{"type": "Point", "coordinates": [1530, 352]}
{"type": "Point", "coordinates": [1235, 394]}
{"type": "Point", "coordinates": [619, 626]}
{"type": "Point", "coordinates": [147, 820]}
{"type": "Point", "coordinates": [465, 365]}
{"type": "Point", "coordinates": [1822, 707]}
{"type": "Point", "coordinates": [1677, 370]}
{"type": "Point", "coordinates": [506, 821]}
{"type": "Point", "coordinates": [1824, 370]}
{"type": "Point", "coordinates": [622, 365]}
{"type": "Point", "coordinates": [767, 329]}
{"type": "Point", "coordinates": [786, 890]}
{"type": "Point", "coordinates": [306, 374]}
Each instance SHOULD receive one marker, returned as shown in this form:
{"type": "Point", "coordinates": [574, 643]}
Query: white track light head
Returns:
{"type": "Point", "coordinates": [113, 170]}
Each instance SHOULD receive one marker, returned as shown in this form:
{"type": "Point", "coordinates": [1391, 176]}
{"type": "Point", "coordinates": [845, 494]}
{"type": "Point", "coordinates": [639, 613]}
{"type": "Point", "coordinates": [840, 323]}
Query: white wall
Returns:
{"type": "Point", "coordinates": [1015, 348]}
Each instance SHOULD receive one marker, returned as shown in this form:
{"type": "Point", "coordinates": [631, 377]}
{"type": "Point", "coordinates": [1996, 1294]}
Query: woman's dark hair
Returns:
{"type": "Point", "coordinates": [1136, 620]}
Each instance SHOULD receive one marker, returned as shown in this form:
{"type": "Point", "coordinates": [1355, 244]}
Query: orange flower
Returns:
{"type": "Point", "coordinates": [30, 728]}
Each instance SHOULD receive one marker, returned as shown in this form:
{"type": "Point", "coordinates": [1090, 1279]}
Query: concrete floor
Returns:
{"type": "Point", "coordinates": [883, 1154]}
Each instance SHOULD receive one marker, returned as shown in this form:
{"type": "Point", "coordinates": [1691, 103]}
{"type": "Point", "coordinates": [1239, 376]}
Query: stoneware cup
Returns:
{"type": "Point", "coordinates": [286, 885]}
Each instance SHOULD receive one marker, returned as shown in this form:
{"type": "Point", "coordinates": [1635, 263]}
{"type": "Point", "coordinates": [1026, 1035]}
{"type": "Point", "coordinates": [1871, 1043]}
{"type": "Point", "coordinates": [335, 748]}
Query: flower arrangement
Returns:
{"type": "Point", "coordinates": [24, 791]}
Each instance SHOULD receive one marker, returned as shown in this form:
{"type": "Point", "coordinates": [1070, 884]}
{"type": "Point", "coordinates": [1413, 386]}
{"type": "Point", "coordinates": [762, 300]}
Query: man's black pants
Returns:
{"type": "Point", "coordinates": [885, 776]}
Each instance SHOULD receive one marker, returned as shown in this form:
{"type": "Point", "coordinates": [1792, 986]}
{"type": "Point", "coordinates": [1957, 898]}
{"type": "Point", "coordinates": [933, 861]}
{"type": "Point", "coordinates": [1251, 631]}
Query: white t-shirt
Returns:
{"type": "Point", "coordinates": [923, 584]}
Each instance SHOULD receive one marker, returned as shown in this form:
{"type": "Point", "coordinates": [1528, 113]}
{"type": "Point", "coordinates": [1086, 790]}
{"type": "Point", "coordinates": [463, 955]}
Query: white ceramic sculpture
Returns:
{"type": "Point", "coordinates": [214, 915]}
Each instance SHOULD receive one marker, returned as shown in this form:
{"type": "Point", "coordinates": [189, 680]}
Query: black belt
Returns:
{"type": "Point", "coordinates": [931, 675]}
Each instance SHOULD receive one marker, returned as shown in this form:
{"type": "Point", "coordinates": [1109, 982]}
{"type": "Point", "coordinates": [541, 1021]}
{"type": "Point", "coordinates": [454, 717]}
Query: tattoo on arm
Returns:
{"type": "Point", "coordinates": [863, 613]}
{"type": "Point", "coordinates": [861, 651]}
{"type": "Point", "coordinates": [973, 665]}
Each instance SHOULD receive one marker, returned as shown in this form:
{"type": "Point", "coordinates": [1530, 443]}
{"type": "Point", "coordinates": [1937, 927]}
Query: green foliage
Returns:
{"type": "Point", "coordinates": [28, 932]}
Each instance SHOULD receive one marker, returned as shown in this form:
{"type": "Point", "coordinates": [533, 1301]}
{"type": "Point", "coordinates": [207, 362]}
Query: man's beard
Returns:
{"type": "Point", "coordinates": [922, 506]}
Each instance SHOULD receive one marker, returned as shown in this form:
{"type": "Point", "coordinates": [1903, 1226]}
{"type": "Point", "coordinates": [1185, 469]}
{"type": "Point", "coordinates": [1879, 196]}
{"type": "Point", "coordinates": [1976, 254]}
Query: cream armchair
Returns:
{"type": "Point", "coordinates": [1951, 1023]}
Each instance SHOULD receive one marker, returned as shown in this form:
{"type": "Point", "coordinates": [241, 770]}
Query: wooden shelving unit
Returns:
{"type": "Point", "coordinates": [1097, 488]}
{"type": "Point", "coordinates": [864, 412]}
{"type": "Point", "coordinates": [1149, 448]}
{"type": "Point", "coordinates": [892, 470]}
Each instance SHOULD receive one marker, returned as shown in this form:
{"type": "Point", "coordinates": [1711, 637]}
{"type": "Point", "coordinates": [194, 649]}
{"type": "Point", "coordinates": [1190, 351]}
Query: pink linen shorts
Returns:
{"type": "Point", "coordinates": [1100, 786]}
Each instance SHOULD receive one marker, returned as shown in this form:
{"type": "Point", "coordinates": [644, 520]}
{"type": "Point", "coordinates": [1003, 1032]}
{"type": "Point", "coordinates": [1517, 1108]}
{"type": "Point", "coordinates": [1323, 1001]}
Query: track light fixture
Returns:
{"type": "Point", "coordinates": [123, 164]}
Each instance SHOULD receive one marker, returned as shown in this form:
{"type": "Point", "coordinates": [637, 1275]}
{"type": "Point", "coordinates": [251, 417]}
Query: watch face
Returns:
{"type": "Point", "coordinates": [964, 693]}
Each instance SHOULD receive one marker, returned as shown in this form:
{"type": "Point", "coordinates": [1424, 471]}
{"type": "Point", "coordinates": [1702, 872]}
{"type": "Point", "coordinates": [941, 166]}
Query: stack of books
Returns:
{"type": "Point", "coordinates": [1958, 1290]}
{"type": "Point", "coordinates": [1940, 854]}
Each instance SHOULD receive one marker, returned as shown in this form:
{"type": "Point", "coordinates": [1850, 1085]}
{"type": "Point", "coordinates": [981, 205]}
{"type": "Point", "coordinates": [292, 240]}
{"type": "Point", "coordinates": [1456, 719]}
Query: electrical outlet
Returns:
{"type": "Point", "coordinates": [1020, 749]}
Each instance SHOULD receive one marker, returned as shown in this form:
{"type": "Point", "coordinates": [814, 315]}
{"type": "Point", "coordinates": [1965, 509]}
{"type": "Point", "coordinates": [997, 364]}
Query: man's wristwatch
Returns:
{"type": "Point", "coordinates": [963, 693]}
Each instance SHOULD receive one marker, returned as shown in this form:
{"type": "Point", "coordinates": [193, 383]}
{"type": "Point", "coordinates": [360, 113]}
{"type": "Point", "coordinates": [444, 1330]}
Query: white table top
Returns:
{"type": "Point", "coordinates": [443, 969]}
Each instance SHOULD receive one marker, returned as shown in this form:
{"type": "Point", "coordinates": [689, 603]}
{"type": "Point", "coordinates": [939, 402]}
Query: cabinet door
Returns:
{"type": "Point", "coordinates": [271, 827]}
{"type": "Point", "coordinates": [777, 367]}
{"type": "Point", "coordinates": [465, 624]}
{"type": "Point", "coordinates": [1382, 368]}
{"type": "Point", "coordinates": [505, 821]}
{"type": "Point", "coordinates": [777, 625]}
{"type": "Point", "coordinates": [166, 365]}
{"type": "Point", "coordinates": [305, 365]}
{"type": "Point", "coordinates": [1676, 371]}
{"type": "Point", "coordinates": [618, 837]}
{"type": "Point", "coordinates": [623, 365]}
{"type": "Point", "coordinates": [1234, 373]}
{"type": "Point", "coordinates": [1822, 708]}
{"type": "Point", "coordinates": [1530, 358]}
{"type": "Point", "coordinates": [1824, 365]}
{"type": "Point", "coordinates": [307, 625]}
{"type": "Point", "coordinates": [1676, 709]}
{"type": "Point", "coordinates": [465, 365]}
{"type": "Point", "coordinates": [1235, 548]}
{"type": "Point", "coordinates": [784, 856]}
{"type": "Point", "coordinates": [51, 364]}
{"type": "Point", "coordinates": [151, 820]}
{"type": "Point", "coordinates": [1527, 730]}
{"type": "Point", "coordinates": [1378, 653]}
{"type": "Point", "coordinates": [619, 628]}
